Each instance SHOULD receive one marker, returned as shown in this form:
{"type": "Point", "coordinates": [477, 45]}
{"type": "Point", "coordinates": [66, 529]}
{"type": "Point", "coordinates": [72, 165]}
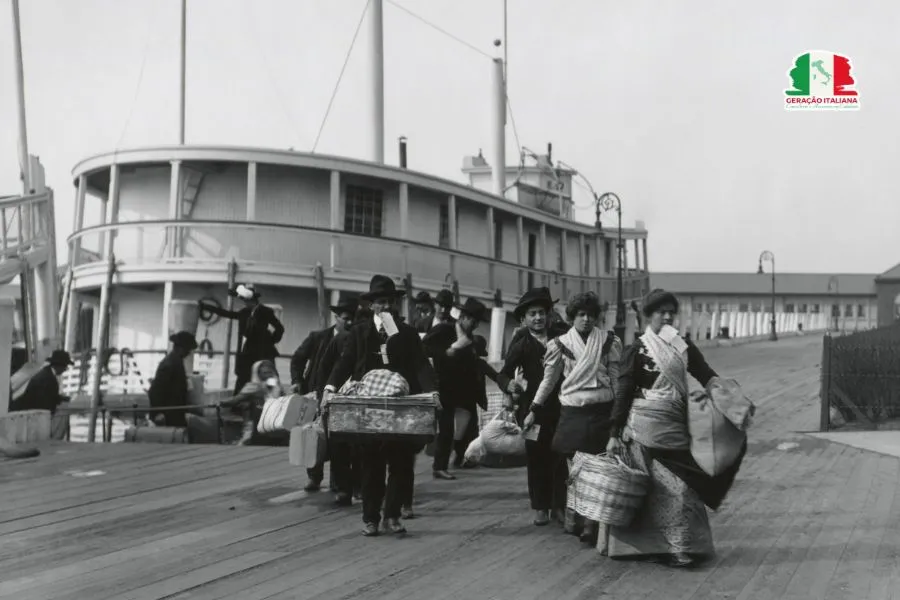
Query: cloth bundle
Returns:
{"type": "Point", "coordinates": [502, 436]}
{"type": "Point", "coordinates": [718, 422]}
{"type": "Point", "coordinates": [378, 382]}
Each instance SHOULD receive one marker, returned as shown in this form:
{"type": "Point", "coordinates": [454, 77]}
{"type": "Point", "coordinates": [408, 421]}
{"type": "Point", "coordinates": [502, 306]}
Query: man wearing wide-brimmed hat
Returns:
{"type": "Point", "coordinates": [384, 342]}
{"type": "Point", "coordinates": [546, 469]}
{"type": "Point", "coordinates": [169, 386]}
{"type": "Point", "coordinates": [450, 346]}
{"type": "Point", "coordinates": [259, 330]}
{"type": "Point", "coordinates": [42, 391]}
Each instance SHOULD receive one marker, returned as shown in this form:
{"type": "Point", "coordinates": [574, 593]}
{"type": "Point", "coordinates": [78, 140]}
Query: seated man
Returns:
{"type": "Point", "coordinates": [42, 391]}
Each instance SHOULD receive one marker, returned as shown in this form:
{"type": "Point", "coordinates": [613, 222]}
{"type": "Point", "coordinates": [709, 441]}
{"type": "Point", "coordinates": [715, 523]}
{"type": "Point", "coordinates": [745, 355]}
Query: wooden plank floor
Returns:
{"type": "Point", "coordinates": [807, 518]}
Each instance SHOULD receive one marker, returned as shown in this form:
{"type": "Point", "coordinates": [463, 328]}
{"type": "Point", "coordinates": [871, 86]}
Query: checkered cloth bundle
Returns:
{"type": "Point", "coordinates": [379, 383]}
{"type": "Point", "coordinates": [606, 489]}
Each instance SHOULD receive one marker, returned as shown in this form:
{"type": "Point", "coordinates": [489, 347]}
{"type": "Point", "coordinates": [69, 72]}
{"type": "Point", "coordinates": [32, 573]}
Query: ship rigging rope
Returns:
{"type": "Point", "coordinates": [137, 89]}
{"type": "Point", "coordinates": [458, 39]}
{"type": "Point", "coordinates": [341, 74]}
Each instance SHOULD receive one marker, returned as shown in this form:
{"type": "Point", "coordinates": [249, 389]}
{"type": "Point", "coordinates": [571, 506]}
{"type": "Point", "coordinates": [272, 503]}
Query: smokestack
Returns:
{"type": "Point", "coordinates": [498, 165]}
{"type": "Point", "coordinates": [402, 151]}
{"type": "Point", "coordinates": [550, 153]}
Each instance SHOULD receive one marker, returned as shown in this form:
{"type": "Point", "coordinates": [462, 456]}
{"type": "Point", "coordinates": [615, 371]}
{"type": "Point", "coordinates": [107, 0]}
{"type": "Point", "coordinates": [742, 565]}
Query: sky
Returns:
{"type": "Point", "coordinates": [675, 105]}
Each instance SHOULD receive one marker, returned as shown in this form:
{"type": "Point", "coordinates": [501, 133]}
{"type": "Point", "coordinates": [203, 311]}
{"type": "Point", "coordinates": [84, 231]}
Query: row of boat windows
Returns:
{"type": "Point", "coordinates": [364, 215]}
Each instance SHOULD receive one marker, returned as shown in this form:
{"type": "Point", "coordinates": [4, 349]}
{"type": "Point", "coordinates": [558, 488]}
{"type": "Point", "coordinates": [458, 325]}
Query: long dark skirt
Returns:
{"type": "Point", "coordinates": [583, 429]}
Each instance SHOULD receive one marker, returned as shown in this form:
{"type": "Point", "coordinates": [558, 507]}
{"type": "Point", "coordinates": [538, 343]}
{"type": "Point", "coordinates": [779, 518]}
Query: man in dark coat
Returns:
{"type": "Point", "coordinates": [42, 391]}
{"type": "Point", "coordinates": [346, 463]}
{"type": "Point", "coordinates": [546, 469]}
{"type": "Point", "coordinates": [305, 370]}
{"type": "Point", "coordinates": [305, 367]}
{"type": "Point", "coordinates": [169, 386]}
{"type": "Point", "coordinates": [459, 370]}
{"type": "Point", "coordinates": [256, 340]}
{"type": "Point", "coordinates": [369, 346]}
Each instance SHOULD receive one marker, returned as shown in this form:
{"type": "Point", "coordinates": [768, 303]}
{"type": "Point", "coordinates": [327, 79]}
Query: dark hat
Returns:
{"type": "Point", "coordinates": [61, 358]}
{"type": "Point", "coordinates": [535, 296]}
{"type": "Point", "coordinates": [444, 298]}
{"type": "Point", "coordinates": [244, 291]}
{"type": "Point", "coordinates": [474, 308]}
{"type": "Point", "coordinates": [184, 339]}
{"type": "Point", "coordinates": [656, 299]}
{"type": "Point", "coordinates": [382, 285]}
{"type": "Point", "coordinates": [345, 305]}
{"type": "Point", "coordinates": [423, 297]}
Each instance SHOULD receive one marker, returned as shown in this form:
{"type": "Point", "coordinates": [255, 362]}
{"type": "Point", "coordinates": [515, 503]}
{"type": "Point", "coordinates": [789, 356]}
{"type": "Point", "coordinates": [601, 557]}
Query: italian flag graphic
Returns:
{"type": "Point", "coordinates": [821, 80]}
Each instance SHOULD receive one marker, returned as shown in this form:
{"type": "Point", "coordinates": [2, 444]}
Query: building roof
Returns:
{"type": "Point", "coordinates": [890, 274]}
{"type": "Point", "coordinates": [786, 284]}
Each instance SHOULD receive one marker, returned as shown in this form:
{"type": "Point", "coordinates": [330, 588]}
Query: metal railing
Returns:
{"type": "Point", "coordinates": [108, 414]}
{"type": "Point", "coordinates": [287, 249]}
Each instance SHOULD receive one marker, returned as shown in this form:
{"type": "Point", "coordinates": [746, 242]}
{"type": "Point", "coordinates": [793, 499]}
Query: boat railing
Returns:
{"type": "Point", "coordinates": [107, 415]}
{"type": "Point", "coordinates": [295, 250]}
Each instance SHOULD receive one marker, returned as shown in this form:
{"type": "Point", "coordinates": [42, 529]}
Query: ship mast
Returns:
{"type": "Point", "coordinates": [20, 100]}
{"type": "Point", "coordinates": [183, 65]}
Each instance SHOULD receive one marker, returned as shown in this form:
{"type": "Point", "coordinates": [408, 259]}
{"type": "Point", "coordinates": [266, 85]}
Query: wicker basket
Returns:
{"type": "Point", "coordinates": [606, 489]}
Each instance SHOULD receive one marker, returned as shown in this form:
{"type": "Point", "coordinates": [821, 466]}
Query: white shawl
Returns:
{"type": "Point", "coordinates": [659, 419]}
{"type": "Point", "coordinates": [589, 378]}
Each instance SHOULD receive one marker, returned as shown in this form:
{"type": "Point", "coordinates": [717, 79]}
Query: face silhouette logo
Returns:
{"type": "Point", "coordinates": [821, 81]}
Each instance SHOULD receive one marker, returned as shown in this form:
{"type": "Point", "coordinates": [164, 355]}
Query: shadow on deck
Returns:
{"type": "Point", "coordinates": [816, 520]}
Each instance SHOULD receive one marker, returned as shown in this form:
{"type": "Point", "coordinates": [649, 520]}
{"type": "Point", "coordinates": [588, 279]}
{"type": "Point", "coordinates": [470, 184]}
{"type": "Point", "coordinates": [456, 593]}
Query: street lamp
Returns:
{"type": "Point", "coordinates": [766, 255]}
{"type": "Point", "coordinates": [834, 284]}
{"type": "Point", "coordinates": [602, 202]}
{"type": "Point", "coordinates": [609, 201]}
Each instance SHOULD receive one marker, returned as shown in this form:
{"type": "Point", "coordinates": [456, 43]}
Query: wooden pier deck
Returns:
{"type": "Point", "coordinates": [807, 518]}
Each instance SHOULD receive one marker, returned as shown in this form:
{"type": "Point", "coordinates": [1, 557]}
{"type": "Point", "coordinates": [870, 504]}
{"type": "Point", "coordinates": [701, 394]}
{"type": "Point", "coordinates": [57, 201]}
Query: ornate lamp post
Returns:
{"type": "Point", "coordinates": [609, 201]}
{"type": "Point", "coordinates": [834, 285]}
{"type": "Point", "coordinates": [602, 202]}
{"type": "Point", "coordinates": [766, 255]}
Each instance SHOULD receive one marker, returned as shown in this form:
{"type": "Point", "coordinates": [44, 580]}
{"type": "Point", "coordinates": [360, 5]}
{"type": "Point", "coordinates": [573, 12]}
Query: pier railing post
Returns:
{"type": "Point", "coordinates": [825, 389]}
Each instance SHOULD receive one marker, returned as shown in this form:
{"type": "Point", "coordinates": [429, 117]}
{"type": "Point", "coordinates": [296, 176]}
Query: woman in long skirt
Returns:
{"type": "Point", "coordinates": [650, 424]}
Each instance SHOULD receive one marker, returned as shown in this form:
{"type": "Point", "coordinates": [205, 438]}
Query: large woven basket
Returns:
{"type": "Point", "coordinates": [606, 489]}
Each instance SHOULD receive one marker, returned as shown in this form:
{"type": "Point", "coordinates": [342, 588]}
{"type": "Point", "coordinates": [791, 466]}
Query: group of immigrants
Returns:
{"type": "Point", "coordinates": [573, 385]}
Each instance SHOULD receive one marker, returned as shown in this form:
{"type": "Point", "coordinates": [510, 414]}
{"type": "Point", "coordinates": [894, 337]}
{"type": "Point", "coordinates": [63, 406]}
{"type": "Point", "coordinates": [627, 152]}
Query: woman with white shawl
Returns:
{"type": "Point", "coordinates": [587, 358]}
{"type": "Point", "coordinates": [650, 426]}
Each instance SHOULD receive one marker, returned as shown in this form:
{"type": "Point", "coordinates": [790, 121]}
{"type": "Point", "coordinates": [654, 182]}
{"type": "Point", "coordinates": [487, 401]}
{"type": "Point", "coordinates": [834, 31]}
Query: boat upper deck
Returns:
{"type": "Point", "coordinates": [807, 518]}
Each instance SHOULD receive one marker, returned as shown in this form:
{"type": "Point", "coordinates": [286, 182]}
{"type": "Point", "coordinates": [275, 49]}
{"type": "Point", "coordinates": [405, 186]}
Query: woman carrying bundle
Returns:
{"type": "Point", "coordinates": [652, 399]}
{"type": "Point", "coordinates": [263, 384]}
{"type": "Point", "coordinates": [587, 358]}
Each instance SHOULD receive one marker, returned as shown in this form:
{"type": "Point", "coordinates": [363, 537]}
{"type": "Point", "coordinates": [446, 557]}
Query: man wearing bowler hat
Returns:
{"type": "Point", "coordinates": [425, 311]}
{"type": "Point", "coordinates": [384, 342]}
{"type": "Point", "coordinates": [451, 347]}
{"type": "Point", "coordinates": [169, 385]}
{"type": "Point", "coordinates": [256, 340]}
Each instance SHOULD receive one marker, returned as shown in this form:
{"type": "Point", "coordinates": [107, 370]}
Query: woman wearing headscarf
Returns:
{"type": "Point", "coordinates": [587, 360]}
{"type": "Point", "coordinates": [650, 425]}
{"type": "Point", "coordinates": [263, 384]}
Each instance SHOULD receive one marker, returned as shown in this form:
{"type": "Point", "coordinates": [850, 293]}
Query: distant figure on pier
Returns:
{"type": "Point", "coordinates": [256, 340]}
{"type": "Point", "coordinates": [169, 384]}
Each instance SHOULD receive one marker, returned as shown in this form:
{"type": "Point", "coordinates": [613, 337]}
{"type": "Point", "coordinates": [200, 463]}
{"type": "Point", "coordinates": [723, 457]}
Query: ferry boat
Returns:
{"type": "Point", "coordinates": [183, 222]}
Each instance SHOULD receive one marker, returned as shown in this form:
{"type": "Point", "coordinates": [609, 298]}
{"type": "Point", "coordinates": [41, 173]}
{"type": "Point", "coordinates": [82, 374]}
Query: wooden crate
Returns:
{"type": "Point", "coordinates": [396, 418]}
